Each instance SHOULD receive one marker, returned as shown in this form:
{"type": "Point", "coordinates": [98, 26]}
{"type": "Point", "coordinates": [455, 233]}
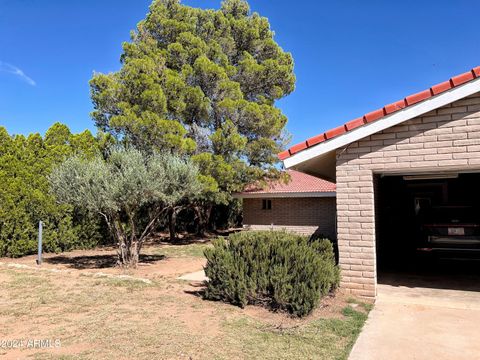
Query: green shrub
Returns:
{"type": "Point", "coordinates": [280, 270]}
{"type": "Point", "coordinates": [25, 199]}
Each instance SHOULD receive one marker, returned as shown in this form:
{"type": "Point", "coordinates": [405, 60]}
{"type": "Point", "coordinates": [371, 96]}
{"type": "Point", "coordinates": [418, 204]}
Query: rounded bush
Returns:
{"type": "Point", "coordinates": [280, 270]}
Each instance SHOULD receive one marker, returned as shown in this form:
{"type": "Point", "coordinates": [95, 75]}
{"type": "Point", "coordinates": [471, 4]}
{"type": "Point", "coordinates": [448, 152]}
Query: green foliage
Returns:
{"type": "Point", "coordinates": [129, 189]}
{"type": "Point", "coordinates": [25, 163]}
{"type": "Point", "coordinates": [124, 182]}
{"type": "Point", "coordinates": [278, 269]}
{"type": "Point", "coordinates": [202, 83]}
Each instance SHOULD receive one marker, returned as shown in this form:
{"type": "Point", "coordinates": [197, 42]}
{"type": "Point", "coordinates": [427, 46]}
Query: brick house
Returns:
{"type": "Point", "coordinates": [305, 205]}
{"type": "Point", "coordinates": [423, 149]}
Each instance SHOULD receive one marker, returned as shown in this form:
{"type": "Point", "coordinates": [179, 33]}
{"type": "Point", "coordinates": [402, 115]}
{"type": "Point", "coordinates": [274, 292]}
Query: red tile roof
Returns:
{"type": "Point", "coordinates": [299, 183]}
{"type": "Point", "coordinates": [386, 110]}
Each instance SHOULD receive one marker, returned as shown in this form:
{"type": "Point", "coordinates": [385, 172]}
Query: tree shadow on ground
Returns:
{"type": "Point", "coordinates": [186, 238]}
{"type": "Point", "coordinates": [96, 261]}
{"type": "Point", "coordinates": [199, 291]}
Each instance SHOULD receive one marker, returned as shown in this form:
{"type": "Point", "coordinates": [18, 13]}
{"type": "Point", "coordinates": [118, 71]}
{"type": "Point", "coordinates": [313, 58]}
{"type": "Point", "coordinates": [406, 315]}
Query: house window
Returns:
{"type": "Point", "coordinates": [266, 204]}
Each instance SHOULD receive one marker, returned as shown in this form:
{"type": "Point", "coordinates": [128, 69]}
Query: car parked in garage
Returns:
{"type": "Point", "coordinates": [450, 229]}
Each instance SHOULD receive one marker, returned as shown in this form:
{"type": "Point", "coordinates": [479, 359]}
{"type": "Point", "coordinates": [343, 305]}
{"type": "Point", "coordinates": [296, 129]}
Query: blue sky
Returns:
{"type": "Point", "coordinates": [350, 56]}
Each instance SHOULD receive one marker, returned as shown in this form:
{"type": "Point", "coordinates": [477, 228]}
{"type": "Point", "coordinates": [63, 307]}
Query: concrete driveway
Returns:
{"type": "Point", "coordinates": [419, 321]}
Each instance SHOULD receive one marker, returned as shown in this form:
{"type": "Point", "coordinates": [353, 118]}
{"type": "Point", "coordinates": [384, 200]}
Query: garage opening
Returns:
{"type": "Point", "coordinates": [428, 229]}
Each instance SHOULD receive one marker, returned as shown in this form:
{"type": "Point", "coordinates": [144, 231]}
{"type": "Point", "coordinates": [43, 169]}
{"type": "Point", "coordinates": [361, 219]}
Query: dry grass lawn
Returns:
{"type": "Point", "coordinates": [112, 318]}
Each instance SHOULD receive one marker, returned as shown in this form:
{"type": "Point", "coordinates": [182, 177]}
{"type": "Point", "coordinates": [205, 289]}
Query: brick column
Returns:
{"type": "Point", "coordinates": [356, 230]}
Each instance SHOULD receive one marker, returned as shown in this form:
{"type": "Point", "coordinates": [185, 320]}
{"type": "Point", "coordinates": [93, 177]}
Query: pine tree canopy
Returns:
{"type": "Point", "coordinates": [202, 83]}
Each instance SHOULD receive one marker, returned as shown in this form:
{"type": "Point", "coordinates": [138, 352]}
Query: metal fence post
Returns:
{"type": "Point", "coordinates": [40, 231]}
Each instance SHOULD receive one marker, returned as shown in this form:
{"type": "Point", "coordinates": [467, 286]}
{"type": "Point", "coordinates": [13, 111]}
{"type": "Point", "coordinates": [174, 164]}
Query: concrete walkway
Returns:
{"type": "Point", "coordinates": [195, 276]}
{"type": "Point", "coordinates": [421, 323]}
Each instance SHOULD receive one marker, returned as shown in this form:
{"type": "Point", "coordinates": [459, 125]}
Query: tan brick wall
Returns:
{"type": "Point", "coordinates": [447, 139]}
{"type": "Point", "coordinates": [301, 215]}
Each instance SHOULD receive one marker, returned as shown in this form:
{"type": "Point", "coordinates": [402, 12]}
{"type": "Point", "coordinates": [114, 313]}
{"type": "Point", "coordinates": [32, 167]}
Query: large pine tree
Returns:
{"type": "Point", "coordinates": [202, 83]}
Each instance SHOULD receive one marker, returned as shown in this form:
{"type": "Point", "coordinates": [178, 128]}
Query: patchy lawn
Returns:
{"type": "Point", "coordinates": [113, 318]}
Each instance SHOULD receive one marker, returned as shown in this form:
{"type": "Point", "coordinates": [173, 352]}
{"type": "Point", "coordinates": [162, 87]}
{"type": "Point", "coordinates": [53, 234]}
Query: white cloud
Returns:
{"type": "Point", "coordinates": [11, 69]}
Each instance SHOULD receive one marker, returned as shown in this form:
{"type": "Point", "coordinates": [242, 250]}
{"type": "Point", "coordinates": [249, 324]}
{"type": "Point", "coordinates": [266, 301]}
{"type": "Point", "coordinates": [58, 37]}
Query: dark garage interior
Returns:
{"type": "Point", "coordinates": [428, 229]}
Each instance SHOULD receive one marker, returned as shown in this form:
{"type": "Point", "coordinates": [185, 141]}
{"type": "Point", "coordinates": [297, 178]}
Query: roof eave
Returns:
{"type": "Point", "coordinates": [302, 160]}
{"type": "Point", "coordinates": [313, 194]}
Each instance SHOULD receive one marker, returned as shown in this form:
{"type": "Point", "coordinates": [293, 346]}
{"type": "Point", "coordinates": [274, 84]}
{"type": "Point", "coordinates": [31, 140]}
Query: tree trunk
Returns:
{"type": "Point", "coordinates": [128, 248]}
{"type": "Point", "coordinates": [172, 218]}
{"type": "Point", "coordinates": [200, 226]}
{"type": "Point", "coordinates": [208, 214]}
{"type": "Point", "coordinates": [127, 253]}
{"type": "Point", "coordinates": [203, 214]}
{"type": "Point", "coordinates": [134, 254]}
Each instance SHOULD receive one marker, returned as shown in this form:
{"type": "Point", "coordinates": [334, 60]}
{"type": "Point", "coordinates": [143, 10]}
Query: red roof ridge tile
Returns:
{"type": "Point", "coordinates": [384, 111]}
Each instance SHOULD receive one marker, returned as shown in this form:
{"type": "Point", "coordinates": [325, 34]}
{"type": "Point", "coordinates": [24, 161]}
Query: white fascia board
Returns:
{"type": "Point", "coordinates": [286, 195]}
{"type": "Point", "coordinates": [386, 122]}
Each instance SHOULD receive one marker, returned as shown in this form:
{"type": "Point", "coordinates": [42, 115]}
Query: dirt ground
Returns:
{"type": "Point", "coordinates": [79, 312]}
{"type": "Point", "coordinates": [158, 258]}
{"type": "Point", "coordinates": [154, 263]}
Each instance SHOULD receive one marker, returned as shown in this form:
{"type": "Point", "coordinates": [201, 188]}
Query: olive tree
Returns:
{"type": "Point", "coordinates": [129, 189]}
